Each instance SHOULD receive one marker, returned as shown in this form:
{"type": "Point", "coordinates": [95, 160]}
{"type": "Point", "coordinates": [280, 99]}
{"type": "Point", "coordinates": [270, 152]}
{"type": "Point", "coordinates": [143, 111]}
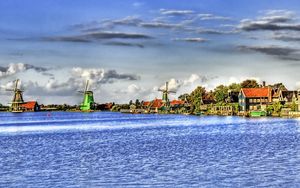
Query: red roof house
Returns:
{"type": "Point", "coordinates": [30, 106]}
{"type": "Point", "coordinates": [254, 98]}
{"type": "Point", "coordinates": [177, 102]}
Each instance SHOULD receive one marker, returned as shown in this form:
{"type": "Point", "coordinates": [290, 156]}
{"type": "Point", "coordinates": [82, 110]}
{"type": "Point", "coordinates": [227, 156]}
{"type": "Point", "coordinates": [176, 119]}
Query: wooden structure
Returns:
{"type": "Point", "coordinates": [253, 99]}
{"type": "Point", "coordinates": [30, 106]}
{"type": "Point", "coordinates": [165, 95]}
{"type": "Point", "coordinates": [222, 110]}
{"type": "Point", "coordinates": [17, 101]}
{"type": "Point", "coordinates": [88, 103]}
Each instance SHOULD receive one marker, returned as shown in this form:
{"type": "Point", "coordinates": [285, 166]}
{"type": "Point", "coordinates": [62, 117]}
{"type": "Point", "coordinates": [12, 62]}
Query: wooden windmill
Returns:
{"type": "Point", "coordinates": [88, 99]}
{"type": "Point", "coordinates": [17, 101]}
{"type": "Point", "coordinates": [165, 94]}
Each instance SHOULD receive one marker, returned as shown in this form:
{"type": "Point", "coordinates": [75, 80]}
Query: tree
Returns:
{"type": "Point", "coordinates": [137, 103]}
{"type": "Point", "coordinates": [235, 87]}
{"type": "Point", "coordinates": [185, 96]}
{"type": "Point", "coordinates": [249, 84]}
{"type": "Point", "coordinates": [130, 102]}
{"type": "Point", "coordinates": [279, 86]}
{"type": "Point", "coordinates": [294, 106]}
{"type": "Point", "coordinates": [277, 107]}
{"type": "Point", "coordinates": [220, 93]}
{"type": "Point", "coordinates": [196, 98]}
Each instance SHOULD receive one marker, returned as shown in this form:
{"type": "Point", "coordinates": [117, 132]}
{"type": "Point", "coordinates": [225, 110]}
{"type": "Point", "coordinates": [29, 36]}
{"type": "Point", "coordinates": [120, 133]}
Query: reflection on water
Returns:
{"type": "Point", "coordinates": [111, 149]}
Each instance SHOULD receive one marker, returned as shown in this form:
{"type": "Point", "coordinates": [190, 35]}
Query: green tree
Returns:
{"type": "Point", "coordinates": [185, 96]}
{"type": "Point", "coordinates": [277, 107]}
{"type": "Point", "coordinates": [220, 93]}
{"type": "Point", "coordinates": [130, 102]}
{"type": "Point", "coordinates": [294, 106]}
{"type": "Point", "coordinates": [235, 87]}
{"type": "Point", "coordinates": [196, 98]}
{"type": "Point", "coordinates": [279, 86]}
{"type": "Point", "coordinates": [249, 84]}
{"type": "Point", "coordinates": [137, 103]}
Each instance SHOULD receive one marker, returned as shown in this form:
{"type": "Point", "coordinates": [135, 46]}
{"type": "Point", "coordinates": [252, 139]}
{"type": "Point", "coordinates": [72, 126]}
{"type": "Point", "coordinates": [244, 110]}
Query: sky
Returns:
{"type": "Point", "coordinates": [128, 49]}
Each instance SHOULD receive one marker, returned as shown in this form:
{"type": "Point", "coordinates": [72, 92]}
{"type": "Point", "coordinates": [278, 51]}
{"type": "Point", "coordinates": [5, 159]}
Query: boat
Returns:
{"type": "Point", "coordinates": [258, 113]}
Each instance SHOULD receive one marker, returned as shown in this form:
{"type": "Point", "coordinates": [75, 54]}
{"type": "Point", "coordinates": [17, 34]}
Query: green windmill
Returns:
{"type": "Point", "coordinates": [88, 103]}
{"type": "Point", "coordinates": [165, 95]}
{"type": "Point", "coordinates": [17, 101]}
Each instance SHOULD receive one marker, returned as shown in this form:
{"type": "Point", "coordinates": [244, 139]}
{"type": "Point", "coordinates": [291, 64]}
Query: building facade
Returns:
{"type": "Point", "coordinates": [252, 99]}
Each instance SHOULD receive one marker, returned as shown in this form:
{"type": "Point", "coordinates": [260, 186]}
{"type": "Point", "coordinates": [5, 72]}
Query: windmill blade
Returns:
{"type": "Point", "coordinates": [167, 85]}
{"type": "Point", "coordinates": [171, 91]}
{"type": "Point", "coordinates": [9, 90]}
{"type": "Point", "coordinates": [16, 85]}
{"type": "Point", "coordinates": [161, 90]}
{"type": "Point", "coordinates": [86, 86]}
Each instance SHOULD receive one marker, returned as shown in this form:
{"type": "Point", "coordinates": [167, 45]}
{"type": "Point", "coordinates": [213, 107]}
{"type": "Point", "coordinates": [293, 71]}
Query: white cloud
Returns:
{"type": "Point", "coordinates": [192, 79]}
{"type": "Point", "coordinates": [15, 68]}
{"type": "Point", "coordinates": [132, 88]}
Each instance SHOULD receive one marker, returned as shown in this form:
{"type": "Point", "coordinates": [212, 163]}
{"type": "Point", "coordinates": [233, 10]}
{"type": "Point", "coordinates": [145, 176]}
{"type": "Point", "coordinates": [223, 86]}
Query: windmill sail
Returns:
{"type": "Point", "coordinates": [165, 94]}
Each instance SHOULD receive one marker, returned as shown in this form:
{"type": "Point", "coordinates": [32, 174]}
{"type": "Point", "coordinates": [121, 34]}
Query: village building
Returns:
{"type": "Point", "coordinates": [287, 97]}
{"type": "Point", "coordinates": [30, 106]}
{"type": "Point", "coordinates": [251, 99]}
{"type": "Point", "coordinates": [233, 97]}
{"type": "Point", "coordinates": [153, 106]}
{"type": "Point", "coordinates": [177, 103]}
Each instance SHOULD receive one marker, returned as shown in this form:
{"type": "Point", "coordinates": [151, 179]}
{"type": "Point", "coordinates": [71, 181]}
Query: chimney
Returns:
{"type": "Point", "coordinates": [264, 83]}
{"type": "Point", "coordinates": [270, 94]}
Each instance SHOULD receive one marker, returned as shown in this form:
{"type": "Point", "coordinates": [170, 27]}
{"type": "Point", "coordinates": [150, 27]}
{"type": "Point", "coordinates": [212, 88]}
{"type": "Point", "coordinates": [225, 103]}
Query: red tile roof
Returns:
{"type": "Point", "coordinates": [146, 103]}
{"type": "Point", "coordinates": [29, 104]}
{"type": "Point", "coordinates": [256, 92]}
{"type": "Point", "coordinates": [157, 103]}
{"type": "Point", "coordinates": [176, 102]}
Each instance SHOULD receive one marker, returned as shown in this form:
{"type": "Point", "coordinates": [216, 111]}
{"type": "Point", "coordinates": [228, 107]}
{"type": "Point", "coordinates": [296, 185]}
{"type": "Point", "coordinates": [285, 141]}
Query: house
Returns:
{"type": "Point", "coordinates": [287, 97]}
{"type": "Point", "coordinates": [177, 103]}
{"type": "Point", "coordinates": [208, 98]}
{"type": "Point", "coordinates": [233, 97]}
{"type": "Point", "coordinates": [153, 106]}
{"type": "Point", "coordinates": [251, 99]}
{"type": "Point", "coordinates": [30, 106]}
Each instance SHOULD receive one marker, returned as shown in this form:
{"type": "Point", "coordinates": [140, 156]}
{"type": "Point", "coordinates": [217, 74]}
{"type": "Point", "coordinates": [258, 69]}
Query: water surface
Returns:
{"type": "Point", "coordinates": [62, 149]}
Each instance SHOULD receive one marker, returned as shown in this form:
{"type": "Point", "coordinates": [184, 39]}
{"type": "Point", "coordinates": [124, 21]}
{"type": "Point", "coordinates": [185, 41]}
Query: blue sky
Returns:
{"type": "Point", "coordinates": [128, 49]}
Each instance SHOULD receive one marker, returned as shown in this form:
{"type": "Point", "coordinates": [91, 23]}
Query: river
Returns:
{"type": "Point", "coordinates": [104, 149]}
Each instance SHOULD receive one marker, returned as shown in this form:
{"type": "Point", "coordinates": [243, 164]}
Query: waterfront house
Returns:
{"type": "Point", "coordinates": [251, 99]}
{"type": "Point", "coordinates": [30, 106]}
{"type": "Point", "coordinates": [233, 97]}
{"type": "Point", "coordinates": [177, 103]}
{"type": "Point", "coordinates": [153, 106]}
{"type": "Point", "coordinates": [287, 97]}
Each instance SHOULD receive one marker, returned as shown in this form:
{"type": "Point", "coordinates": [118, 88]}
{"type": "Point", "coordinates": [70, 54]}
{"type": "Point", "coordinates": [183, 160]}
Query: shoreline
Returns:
{"type": "Point", "coordinates": [97, 111]}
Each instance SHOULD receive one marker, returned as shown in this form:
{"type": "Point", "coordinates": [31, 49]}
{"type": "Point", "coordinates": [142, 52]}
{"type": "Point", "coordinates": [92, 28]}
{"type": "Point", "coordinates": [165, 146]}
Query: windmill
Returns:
{"type": "Point", "coordinates": [88, 103]}
{"type": "Point", "coordinates": [17, 101]}
{"type": "Point", "coordinates": [165, 93]}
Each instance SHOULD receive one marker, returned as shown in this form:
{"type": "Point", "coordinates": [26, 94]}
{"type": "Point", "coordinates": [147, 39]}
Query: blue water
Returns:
{"type": "Point", "coordinates": [122, 150]}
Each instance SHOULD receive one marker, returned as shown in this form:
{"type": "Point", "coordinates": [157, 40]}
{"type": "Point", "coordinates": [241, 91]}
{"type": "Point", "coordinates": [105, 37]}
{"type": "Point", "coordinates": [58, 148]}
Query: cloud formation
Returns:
{"type": "Point", "coordinates": [287, 36]}
{"type": "Point", "coordinates": [15, 68]}
{"type": "Point", "coordinates": [102, 76]}
{"type": "Point", "coordinates": [98, 36]}
{"type": "Point", "coordinates": [195, 40]}
{"type": "Point", "coordinates": [272, 20]}
{"type": "Point", "coordinates": [125, 44]}
{"type": "Point", "coordinates": [285, 53]}
{"type": "Point", "coordinates": [176, 12]}
{"type": "Point", "coordinates": [160, 24]}
{"type": "Point", "coordinates": [212, 17]}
